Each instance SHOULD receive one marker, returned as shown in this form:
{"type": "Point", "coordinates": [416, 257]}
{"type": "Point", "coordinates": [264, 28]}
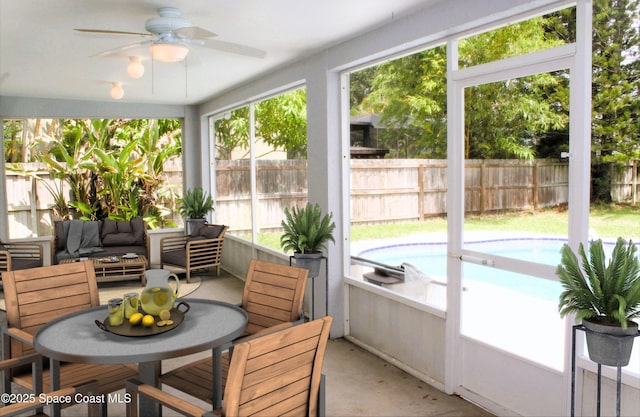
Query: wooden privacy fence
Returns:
{"type": "Point", "coordinates": [625, 182]}
{"type": "Point", "coordinates": [389, 190]}
{"type": "Point", "coordinates": [404, 190]}
{"type": "Point", "coordinates": [382, 190]}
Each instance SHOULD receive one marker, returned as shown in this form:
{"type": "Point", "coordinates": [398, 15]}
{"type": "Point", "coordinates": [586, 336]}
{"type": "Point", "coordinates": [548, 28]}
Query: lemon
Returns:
{"type": "Point", "coordinates": [164, 315]}
{"type": "Point", "coordinates": [148, 320]}
{"type": "Point", "coordinates": [136, 319]}
{"type": "Point", "coordinates": [161, 323]}
{"type": "Point", "coordinates": [145, 298]}
{"type": "Point", "coordinates": [160, 298]}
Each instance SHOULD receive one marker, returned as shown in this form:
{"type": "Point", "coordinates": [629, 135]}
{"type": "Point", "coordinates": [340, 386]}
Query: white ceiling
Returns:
{"type": "Point", "coordinates": [42, 56]}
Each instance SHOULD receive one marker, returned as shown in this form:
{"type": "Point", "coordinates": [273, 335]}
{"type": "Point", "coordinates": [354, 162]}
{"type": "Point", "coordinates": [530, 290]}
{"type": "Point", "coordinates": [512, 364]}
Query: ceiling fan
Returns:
{"type": "Point", "coordinates": [170, 36]}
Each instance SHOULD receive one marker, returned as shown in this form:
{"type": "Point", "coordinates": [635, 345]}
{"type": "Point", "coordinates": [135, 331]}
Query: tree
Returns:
{"type": "Point", "coordinates": [502, 120]}
{"type": "Point", "coordinates": [410, 94]}
{"type": "Point", "coordinates": [281, 122]}
{"type": "Point", "coordinates": [616, 80]}
{"type": "Point", "coordinates": [520, 117]}
{"type": "Point", "coordinates": [615, 133]}
{"type": "Point", "coordinates": [232, 132]}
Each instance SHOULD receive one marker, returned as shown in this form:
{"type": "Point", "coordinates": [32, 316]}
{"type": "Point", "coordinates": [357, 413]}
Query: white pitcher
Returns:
{"type": "Point", "coordinates": [158, 294]}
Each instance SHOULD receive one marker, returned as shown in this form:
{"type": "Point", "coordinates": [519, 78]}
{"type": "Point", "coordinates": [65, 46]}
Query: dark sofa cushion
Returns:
{"type": "Point", "coordinates": [60, 234]}
{"type": "Point", "coordinates": [121, 250]}
{"type": "Point", "coordinates": [138, 228]}
{"type": "Point", "coordinates": [203, 231]}
{"type": "Point", "coordinates": [123, 233]}
{"type": "Point", "coordinates": [175, 257]}
{"type": "Point", "coordinates": [118, 239]}
{"type": "Point", "coordinates": [109, 227]}
{"type": "Point", "coordinates": [25, 263]}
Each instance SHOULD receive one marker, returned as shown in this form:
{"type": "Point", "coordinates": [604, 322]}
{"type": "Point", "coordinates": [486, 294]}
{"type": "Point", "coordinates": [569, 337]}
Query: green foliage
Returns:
{"type": "Point", "coordinates": [616, 80]}
{"type": "Point", "coordinates": [594, 288]}
{"type": "Point", "coordinates": [510, 119]}
{"type": "Point", "coordinates": [306, 230]}
{"type": "Point", "coordinates": [232, 133]}
{"type": "Point", "coordinates": [196, 204]}
{"type": "Point", "coordinates": [502, 119]}
{"type": "Point", "coordinates": [281, 122]}
{"type": "Point", "coordinates": [114, 168]}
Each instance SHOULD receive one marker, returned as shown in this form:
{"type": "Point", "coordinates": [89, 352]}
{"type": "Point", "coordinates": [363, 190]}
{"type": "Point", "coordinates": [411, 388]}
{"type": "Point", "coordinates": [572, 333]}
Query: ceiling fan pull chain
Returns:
{"type": "Point", "coordinates": [153, 76]}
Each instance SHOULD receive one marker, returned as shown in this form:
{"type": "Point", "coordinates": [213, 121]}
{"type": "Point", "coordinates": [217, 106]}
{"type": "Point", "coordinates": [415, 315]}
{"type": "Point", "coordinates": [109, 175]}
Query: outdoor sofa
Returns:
{"type": "Point", "coordinates": [99, 239]}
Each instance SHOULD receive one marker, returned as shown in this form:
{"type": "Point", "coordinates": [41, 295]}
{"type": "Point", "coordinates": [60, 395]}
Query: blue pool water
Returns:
{"type": "Point", "coordinates": [430, 257]}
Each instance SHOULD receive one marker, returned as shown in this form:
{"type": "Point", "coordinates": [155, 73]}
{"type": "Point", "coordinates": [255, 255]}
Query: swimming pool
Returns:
{"type": "Point", "coordinates": [431, 258]}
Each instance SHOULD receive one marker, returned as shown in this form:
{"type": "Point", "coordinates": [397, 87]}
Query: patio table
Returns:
{"type": "Point", "coordinates": [76, 338]}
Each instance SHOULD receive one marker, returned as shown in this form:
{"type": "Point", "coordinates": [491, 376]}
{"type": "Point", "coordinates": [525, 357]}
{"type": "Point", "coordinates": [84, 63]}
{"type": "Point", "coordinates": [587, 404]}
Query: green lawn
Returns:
{"type": "Point", "coordinates": [607, 221]}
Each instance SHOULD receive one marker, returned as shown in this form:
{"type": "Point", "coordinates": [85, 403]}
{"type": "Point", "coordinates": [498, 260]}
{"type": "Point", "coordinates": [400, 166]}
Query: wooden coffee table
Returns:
{"type": "Point", "coordinates": [123, 269]}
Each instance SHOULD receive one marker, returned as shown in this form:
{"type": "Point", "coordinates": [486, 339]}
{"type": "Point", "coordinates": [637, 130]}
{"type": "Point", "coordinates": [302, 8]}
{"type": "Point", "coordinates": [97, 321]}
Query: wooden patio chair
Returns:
{"type": "Point", "coordinates": [36, 296]}
{"type": "Point", "coordinates": [202, 249]}
{"type": "Point", "coordinates": [272, 296]}
{"type": "Point", "coordinates": [277, 374]}
{"type": "Point", "coordinates": [20, 255]}
{"type": "Point", "coordinates": [30, 402]}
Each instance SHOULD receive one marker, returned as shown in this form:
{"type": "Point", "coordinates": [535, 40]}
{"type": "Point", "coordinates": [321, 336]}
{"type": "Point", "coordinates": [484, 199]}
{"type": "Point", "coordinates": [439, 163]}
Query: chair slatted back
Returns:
{"type": "Point", "coordinates": [279, 373]}
{"type": "Point", "coordinates": [207, 252]}
{"type": "Point", "coordinates": [273, 294]}
{"type": "Point", "coordinates": [36, 296]}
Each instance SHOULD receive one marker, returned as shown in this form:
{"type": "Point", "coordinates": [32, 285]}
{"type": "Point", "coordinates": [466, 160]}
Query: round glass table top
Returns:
{"type": "Point", "coordinates": [77, 338]}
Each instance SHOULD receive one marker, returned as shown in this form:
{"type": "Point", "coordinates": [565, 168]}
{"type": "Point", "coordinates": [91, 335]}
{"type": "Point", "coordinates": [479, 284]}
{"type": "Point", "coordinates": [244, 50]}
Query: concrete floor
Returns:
{"type": "Point", "coordinates": [357, 382]}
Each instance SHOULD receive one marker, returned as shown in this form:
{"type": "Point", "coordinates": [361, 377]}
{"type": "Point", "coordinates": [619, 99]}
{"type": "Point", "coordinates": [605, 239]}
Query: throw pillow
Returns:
{"type": "Point", "coordinates": [196, 228]}
{"type": "Point", "coordinates": [137, 227]}
{"type": "Point", "coordinates": [211, 231]}
{"type": "Point", "coordinates": [124, 227]}
{"type": "Point", "coordinates": [108, 227]}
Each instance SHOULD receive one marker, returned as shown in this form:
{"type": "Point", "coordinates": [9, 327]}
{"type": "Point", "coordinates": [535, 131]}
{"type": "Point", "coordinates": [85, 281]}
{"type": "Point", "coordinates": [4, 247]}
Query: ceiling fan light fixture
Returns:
{"type": "Point", "coordinates": [135, 69]}
{"type": "Point", "coordinates": [169, 52]}
{"type": "Point", "coordinates": [116, 92]}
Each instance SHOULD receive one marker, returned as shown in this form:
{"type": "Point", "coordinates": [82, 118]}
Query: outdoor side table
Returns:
{"type": "Point", "coordinates": [76, 338]}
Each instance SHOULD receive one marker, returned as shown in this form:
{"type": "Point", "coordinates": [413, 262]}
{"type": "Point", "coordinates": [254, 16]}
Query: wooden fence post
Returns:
{"type": "Point", "coordinates": [421, 213]}
{"type": "Point", "coordinates": [536, 185]}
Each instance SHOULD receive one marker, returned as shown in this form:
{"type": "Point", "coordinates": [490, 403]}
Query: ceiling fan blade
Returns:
{"type": "Point", "coordinates": [114, 51]}
{"type": "Point", "coordinates": [194, 32]}
{"type": "Point", "coordinates": [112, 32]}
{"type": "Point", "coordinates": [234, 48]}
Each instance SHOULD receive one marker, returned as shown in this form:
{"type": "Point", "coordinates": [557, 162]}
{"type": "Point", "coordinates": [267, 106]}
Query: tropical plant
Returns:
{"type": "Point", "coordinates": [112, 168]}
{"type": "Point", "coordinates": [306, 230]}
{"type": "Point", "coordinates": [608, 293]}
{"type": "Point", "coordinates": [196, 204]}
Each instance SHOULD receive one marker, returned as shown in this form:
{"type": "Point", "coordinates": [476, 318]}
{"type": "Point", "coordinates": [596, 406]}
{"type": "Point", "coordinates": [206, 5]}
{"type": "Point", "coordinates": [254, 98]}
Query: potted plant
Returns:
{"type": "Point", "coordinates": [306, 233]}
{"type": "Point", "coordinates": [195, 206]}
{"type": "Point", "coordinates": [604, 296]}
